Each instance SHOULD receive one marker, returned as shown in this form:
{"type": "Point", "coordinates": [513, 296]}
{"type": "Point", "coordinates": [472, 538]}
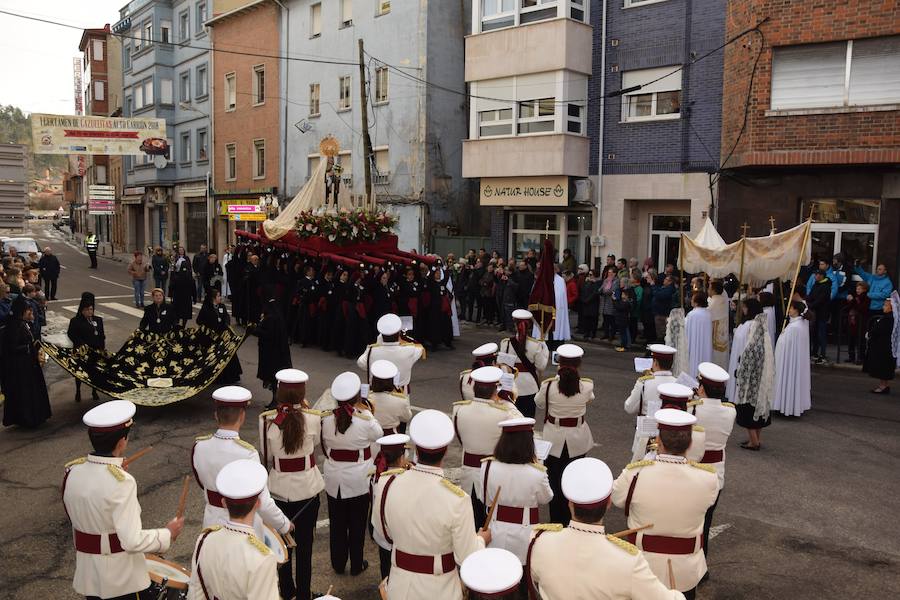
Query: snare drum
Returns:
{"type": "Point", "coordinates": [169, 581]}
{"type": "Point", "coordinates": [273, 540]}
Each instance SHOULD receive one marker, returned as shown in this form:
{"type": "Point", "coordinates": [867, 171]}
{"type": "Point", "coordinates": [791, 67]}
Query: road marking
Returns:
{"type": "Point", "coordinates": [95, 298]}
{"type": "Point", "coordinates": [63, 266]}
{"type": "Point", "coordinates": [137, 312]}
{"type": "Point", "coordinates": [74, 309]}
{"type": "Point", "coordinates": [127, 287]}
{"type": "Point", "coordinates": [714, 531]}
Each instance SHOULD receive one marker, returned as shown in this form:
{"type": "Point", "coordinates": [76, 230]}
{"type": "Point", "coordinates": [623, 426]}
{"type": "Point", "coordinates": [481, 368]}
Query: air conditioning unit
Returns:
{"type": "Point", "coordinates": [583, 189]}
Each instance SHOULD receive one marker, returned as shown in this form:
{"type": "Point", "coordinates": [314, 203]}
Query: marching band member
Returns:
{"type": "Point", "coordinates": [229, 561]}
{"type": "Point", "coordinates": [391, 347]}
{"type": "Point", "coordinates": [717, 419]}
{"type": "Point", "coordinates": [675, 395]}
{"type": "Point", "coordinates": [391, 407]}
{"type": "Point", "coordinates": [564, 399]}
{"type": "Point", "coordinates": [289, 435]}
{"type": "Point", "coordinates": [484, 356]}
{"type": "Point", "coordinates": [476, 427]}
{"type": "Point", "coordinates": [582, 562]}
{"type": "Point", "coordinates": [492, 573]}
{"type": "Point", "coordinates": [347, 436]}
{"type": "Point", "coordinates": [214, 451]}
{"type": "Point", "coordinates": [673, 494]}
{"type": "Point", "coordinates": [393, 452]}
{"type": "Point", "coordinates": [644, 399]}
{"type": "Point", "coordinates": [518, 483]}
{"type": "Point", "coordinates": [531, 359]}
{"type": "Point", "coordinates": [100, 499]}
{"type": "Point", "coordinates": [427, 544]}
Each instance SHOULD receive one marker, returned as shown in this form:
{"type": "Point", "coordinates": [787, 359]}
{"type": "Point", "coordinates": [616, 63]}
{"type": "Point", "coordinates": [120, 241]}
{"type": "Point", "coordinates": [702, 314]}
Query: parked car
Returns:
{"type": "Point", "coordinates": [59, 222]}
{"type": "Point", "coordinates": [24, 246]}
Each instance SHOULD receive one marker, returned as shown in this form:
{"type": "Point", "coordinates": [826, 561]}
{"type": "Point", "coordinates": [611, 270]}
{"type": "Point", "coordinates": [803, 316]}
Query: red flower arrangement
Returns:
{"type": "Point", "coordinates": [345, 227]}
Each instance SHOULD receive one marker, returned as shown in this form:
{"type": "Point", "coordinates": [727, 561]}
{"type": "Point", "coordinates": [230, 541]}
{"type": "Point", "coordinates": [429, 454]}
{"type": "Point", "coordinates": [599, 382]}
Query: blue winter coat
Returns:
{"type": "Point", "coordinates": [880, 288]}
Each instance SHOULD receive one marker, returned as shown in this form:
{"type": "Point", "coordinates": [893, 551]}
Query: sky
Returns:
{"type": "Point", "coordinates": [36, 69]}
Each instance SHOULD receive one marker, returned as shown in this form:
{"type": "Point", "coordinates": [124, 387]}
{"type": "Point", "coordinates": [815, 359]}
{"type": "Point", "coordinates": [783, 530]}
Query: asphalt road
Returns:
{"type": "Point", "coordinates": [810, 516]}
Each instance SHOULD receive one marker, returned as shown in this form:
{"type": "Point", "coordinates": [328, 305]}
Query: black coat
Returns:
{"type": "Point", "coordinates": [819, 298]}
{"type": "Point", "coordinates": [158, 319]}
{"type": "Point", "coordinates": [212, 276]}
{"type": "Point", "coordinates": [184, 294]}
{"type": "Point", "coordinates": [49, 266]}
{"type": "Point", "coordinates": [880, 363]}
{"type": "Point", "coordinates": [83, 332]}
{"type": "Point", "coordinates": [589, 296]}
{"type": "Point", "coordinates": [274, 347]}
{"type": "Point", "coordinates": [215, 317]}
{"type": "Point", "coordinates": [525, 279]}
{"type": "Point", "coordinates": [27, 402]}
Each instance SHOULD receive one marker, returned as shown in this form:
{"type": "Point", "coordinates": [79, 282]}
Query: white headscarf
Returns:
{"type": "Point", "coordinates": [895, 334]}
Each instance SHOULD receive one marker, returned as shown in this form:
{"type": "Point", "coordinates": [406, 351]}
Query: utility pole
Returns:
{"type": "Point", "coordinates": [367, 141]}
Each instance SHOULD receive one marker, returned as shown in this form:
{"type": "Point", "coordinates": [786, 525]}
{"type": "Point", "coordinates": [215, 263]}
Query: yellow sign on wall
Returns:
{"type": "Point", "coordinates": [525, 191]}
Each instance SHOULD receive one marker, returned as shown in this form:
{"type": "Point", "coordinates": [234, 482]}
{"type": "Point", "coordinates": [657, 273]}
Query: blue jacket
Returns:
{"type": "Point", "coordinates": [880, 288]}
{"type": "Point", "coordinates": [837, 281]}
{"type": "Point", "coordinates": [663, 298]}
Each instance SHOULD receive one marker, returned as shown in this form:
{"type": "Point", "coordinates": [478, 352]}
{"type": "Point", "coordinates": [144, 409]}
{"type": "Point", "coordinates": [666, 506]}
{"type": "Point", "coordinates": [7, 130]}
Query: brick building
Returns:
{"type": "Point", "coordinates": [822, 129]}
{"type": "Point", "coordinates": [247, 109]}
{"type": "Point", "coordinates": [660, 139]}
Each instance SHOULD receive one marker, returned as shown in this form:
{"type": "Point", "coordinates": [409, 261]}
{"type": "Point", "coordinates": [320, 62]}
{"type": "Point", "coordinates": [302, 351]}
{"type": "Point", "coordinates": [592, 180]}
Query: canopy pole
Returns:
{"type": "Point", "coordinates": [681, 267]}
{"type": "Point", "coordinates": [739, 317]}
{"type": "Point", "coordinates": [799, 263]}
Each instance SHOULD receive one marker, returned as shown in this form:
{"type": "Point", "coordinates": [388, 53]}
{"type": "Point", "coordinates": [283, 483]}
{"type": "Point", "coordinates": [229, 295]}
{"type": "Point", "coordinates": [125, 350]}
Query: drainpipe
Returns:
{"type": "Point", "coordinates": [284, 78]}
{"type": "Point", "coordinates": [596, 249]}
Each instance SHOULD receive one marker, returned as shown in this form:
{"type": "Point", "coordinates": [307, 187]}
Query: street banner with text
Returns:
{"type": "Point", "coordinates": [73, 134]}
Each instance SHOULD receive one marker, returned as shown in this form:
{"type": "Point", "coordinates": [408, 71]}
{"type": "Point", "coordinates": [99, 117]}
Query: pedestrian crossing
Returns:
{"type": "Point", "coordinates": [108, 311]}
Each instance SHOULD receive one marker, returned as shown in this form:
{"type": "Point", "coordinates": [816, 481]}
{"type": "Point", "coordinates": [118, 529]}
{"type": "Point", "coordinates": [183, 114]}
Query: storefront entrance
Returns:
{"type": "Point", "coordinates": [529, 229]}
{"type": "Point", "coordinates": [848, 226]}
{"type": "Point", "coordinates": [665, 238]}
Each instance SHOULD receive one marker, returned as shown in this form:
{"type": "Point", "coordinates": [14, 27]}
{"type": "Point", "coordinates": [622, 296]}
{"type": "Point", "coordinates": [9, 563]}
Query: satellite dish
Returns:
{"type": "Point", "coordinates": [160, 162]}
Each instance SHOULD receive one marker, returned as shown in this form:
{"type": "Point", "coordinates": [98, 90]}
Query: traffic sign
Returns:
{"type": "Point", "coordinates": [101, 187]}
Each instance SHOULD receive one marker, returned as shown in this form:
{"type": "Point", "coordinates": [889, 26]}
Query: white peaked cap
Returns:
{"type": "Point", "coordinates": [518, 424]}
{"type": "Point", "coordinates": [109, 416]}
{"type": "Point", "coordinates": [570, 351]}
{"type": "Point", "coordinates": [487, 375]}
{"type": "Point", "coordinates": [661, 349]}
{"type": "Point", "coordinates": [395, 439]}
{"type": "Point", "coordinates": [672, 418]}
{"type": "Point", "coordinates": [486, 349]}
{"type": "Point", "coordinates": [675, 390]}
{"type": "Point", "coordinates": [389, 324]}
{"type": "Point", "coordinates": [491, 571]}
{"type": "Point", "coordinates": [291, 376]}
{"type": "Point", "coordinates": [345, 386]}
{"type": "Point", "coordinates": [712, 372]}
{"type": "Point", "coordinates": [431, 430]}
{"type": "Point", "coordinates": [522, 314]}
{"type": "Point", "coordinates": [384, 369]}
{"type": "Point", "coordinates": [232, 394]}
{"type": "Point", "coordinates": [587, 481]}
{"type": "Point", "coordinates": [241, 479]}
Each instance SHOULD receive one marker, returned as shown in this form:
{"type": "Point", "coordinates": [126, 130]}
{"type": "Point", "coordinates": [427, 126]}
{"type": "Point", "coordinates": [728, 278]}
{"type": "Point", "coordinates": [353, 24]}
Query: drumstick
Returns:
{"type": "Point", "coordinates": [182, 501]}
{"type": "Point", "coordinates": [671, 575]}
{"type": "Point", "coordinates": [626, 532]}
{"type": "Point", "coordinates": [382, 589]}
{"type": "Point", "coordinates": [289, 540]}
{"type": "Point", "coordinates": [136, 456]}
{"type": "Point", "coordinates": [490, 513]}
{"type": "Point", "coordinates": [330, 587]}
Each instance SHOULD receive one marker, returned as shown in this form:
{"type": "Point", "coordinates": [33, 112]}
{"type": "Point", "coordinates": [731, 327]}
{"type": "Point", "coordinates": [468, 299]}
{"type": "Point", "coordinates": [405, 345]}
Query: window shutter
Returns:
{"type": "Point", "coordinates": [809, 76]}
{"type": "Point", "coordinates": [668, 83]}
{"type": "Point", "coordinates": [875, 71]}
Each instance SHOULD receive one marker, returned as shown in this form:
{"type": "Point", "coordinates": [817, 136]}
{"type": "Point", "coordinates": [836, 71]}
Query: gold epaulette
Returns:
{"type": "Point", "coordinates": [453, 487]}
{"type": "Point", "coordinates": [254, 541]}
{"type": "Point", "coordinates": [201, 438]}
{"type": "Point", "coordinates": [627, 547]}
{"type": "Point", "coordinates": [117, 472]}
{"type": "Point", "coordinates": [645, 377]}
{"type": "Point", "coordinates": [363, 416]}
{"type": "Point", "coordinates": [499, 406]}
{"type": "Point", "coordinates": [534, 339]}
{"type": "Point", "coordinates": [548, 380]}
{"type": "Point", "coordinates": [375, 345]}
{"type": "Point", "coordinates": [312, 411]}
{"type": "Point", "coordinates": [640, 463]}
{"type": "Point", "coordinates": [212, 528]}
{"type": "Point", "coordinates": [702, 466]}
{"type": "Point", "coordinates": [487, 458]}
{"type": "Point", "coordinates": [695, 402]}
{"type": "Point", "coordinates": [587, 379]}
{"type": "Point", "coordinates": [462, 402]}
{"type": "Point", "coordinates": [728, 404]}
{"type": "Point", "coordinates": [396, 471]}
{"type": "Point", "coordinates": [461, 373]}
{"type": "Point", "coordinates": [506, 339]}
{"type": "Point", "coordinates": [698, 428]}
{"type": "Point", "coordinates": [77, 461]}
{"type": "Point", "coordinates": [548, 527]}
{"type": "Point", "coordinates": [538, 466]}
{"type": "Point", "coordinates": [399, 394]}
{"type": "Point", "coordinates": [268, 413]}
{"type": "Point", "coordinates": [244, 444]}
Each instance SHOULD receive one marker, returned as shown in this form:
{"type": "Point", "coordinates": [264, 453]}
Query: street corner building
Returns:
{"type": "Point", "coordinates": [821, 86]}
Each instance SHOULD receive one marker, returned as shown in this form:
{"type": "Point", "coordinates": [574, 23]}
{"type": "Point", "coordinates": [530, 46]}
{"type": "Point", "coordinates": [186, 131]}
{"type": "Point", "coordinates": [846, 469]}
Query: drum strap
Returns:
{"type": "Point", "coordinates": [197, 560]}
{"type": "Point", "coordinates": [384, 493]}
{"type": "Point", "coordinates": [532, 591]}
{"type": "Point", "coordinates": [487, 471]}
{"type": "Point", "coordinates": [630, 494]}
